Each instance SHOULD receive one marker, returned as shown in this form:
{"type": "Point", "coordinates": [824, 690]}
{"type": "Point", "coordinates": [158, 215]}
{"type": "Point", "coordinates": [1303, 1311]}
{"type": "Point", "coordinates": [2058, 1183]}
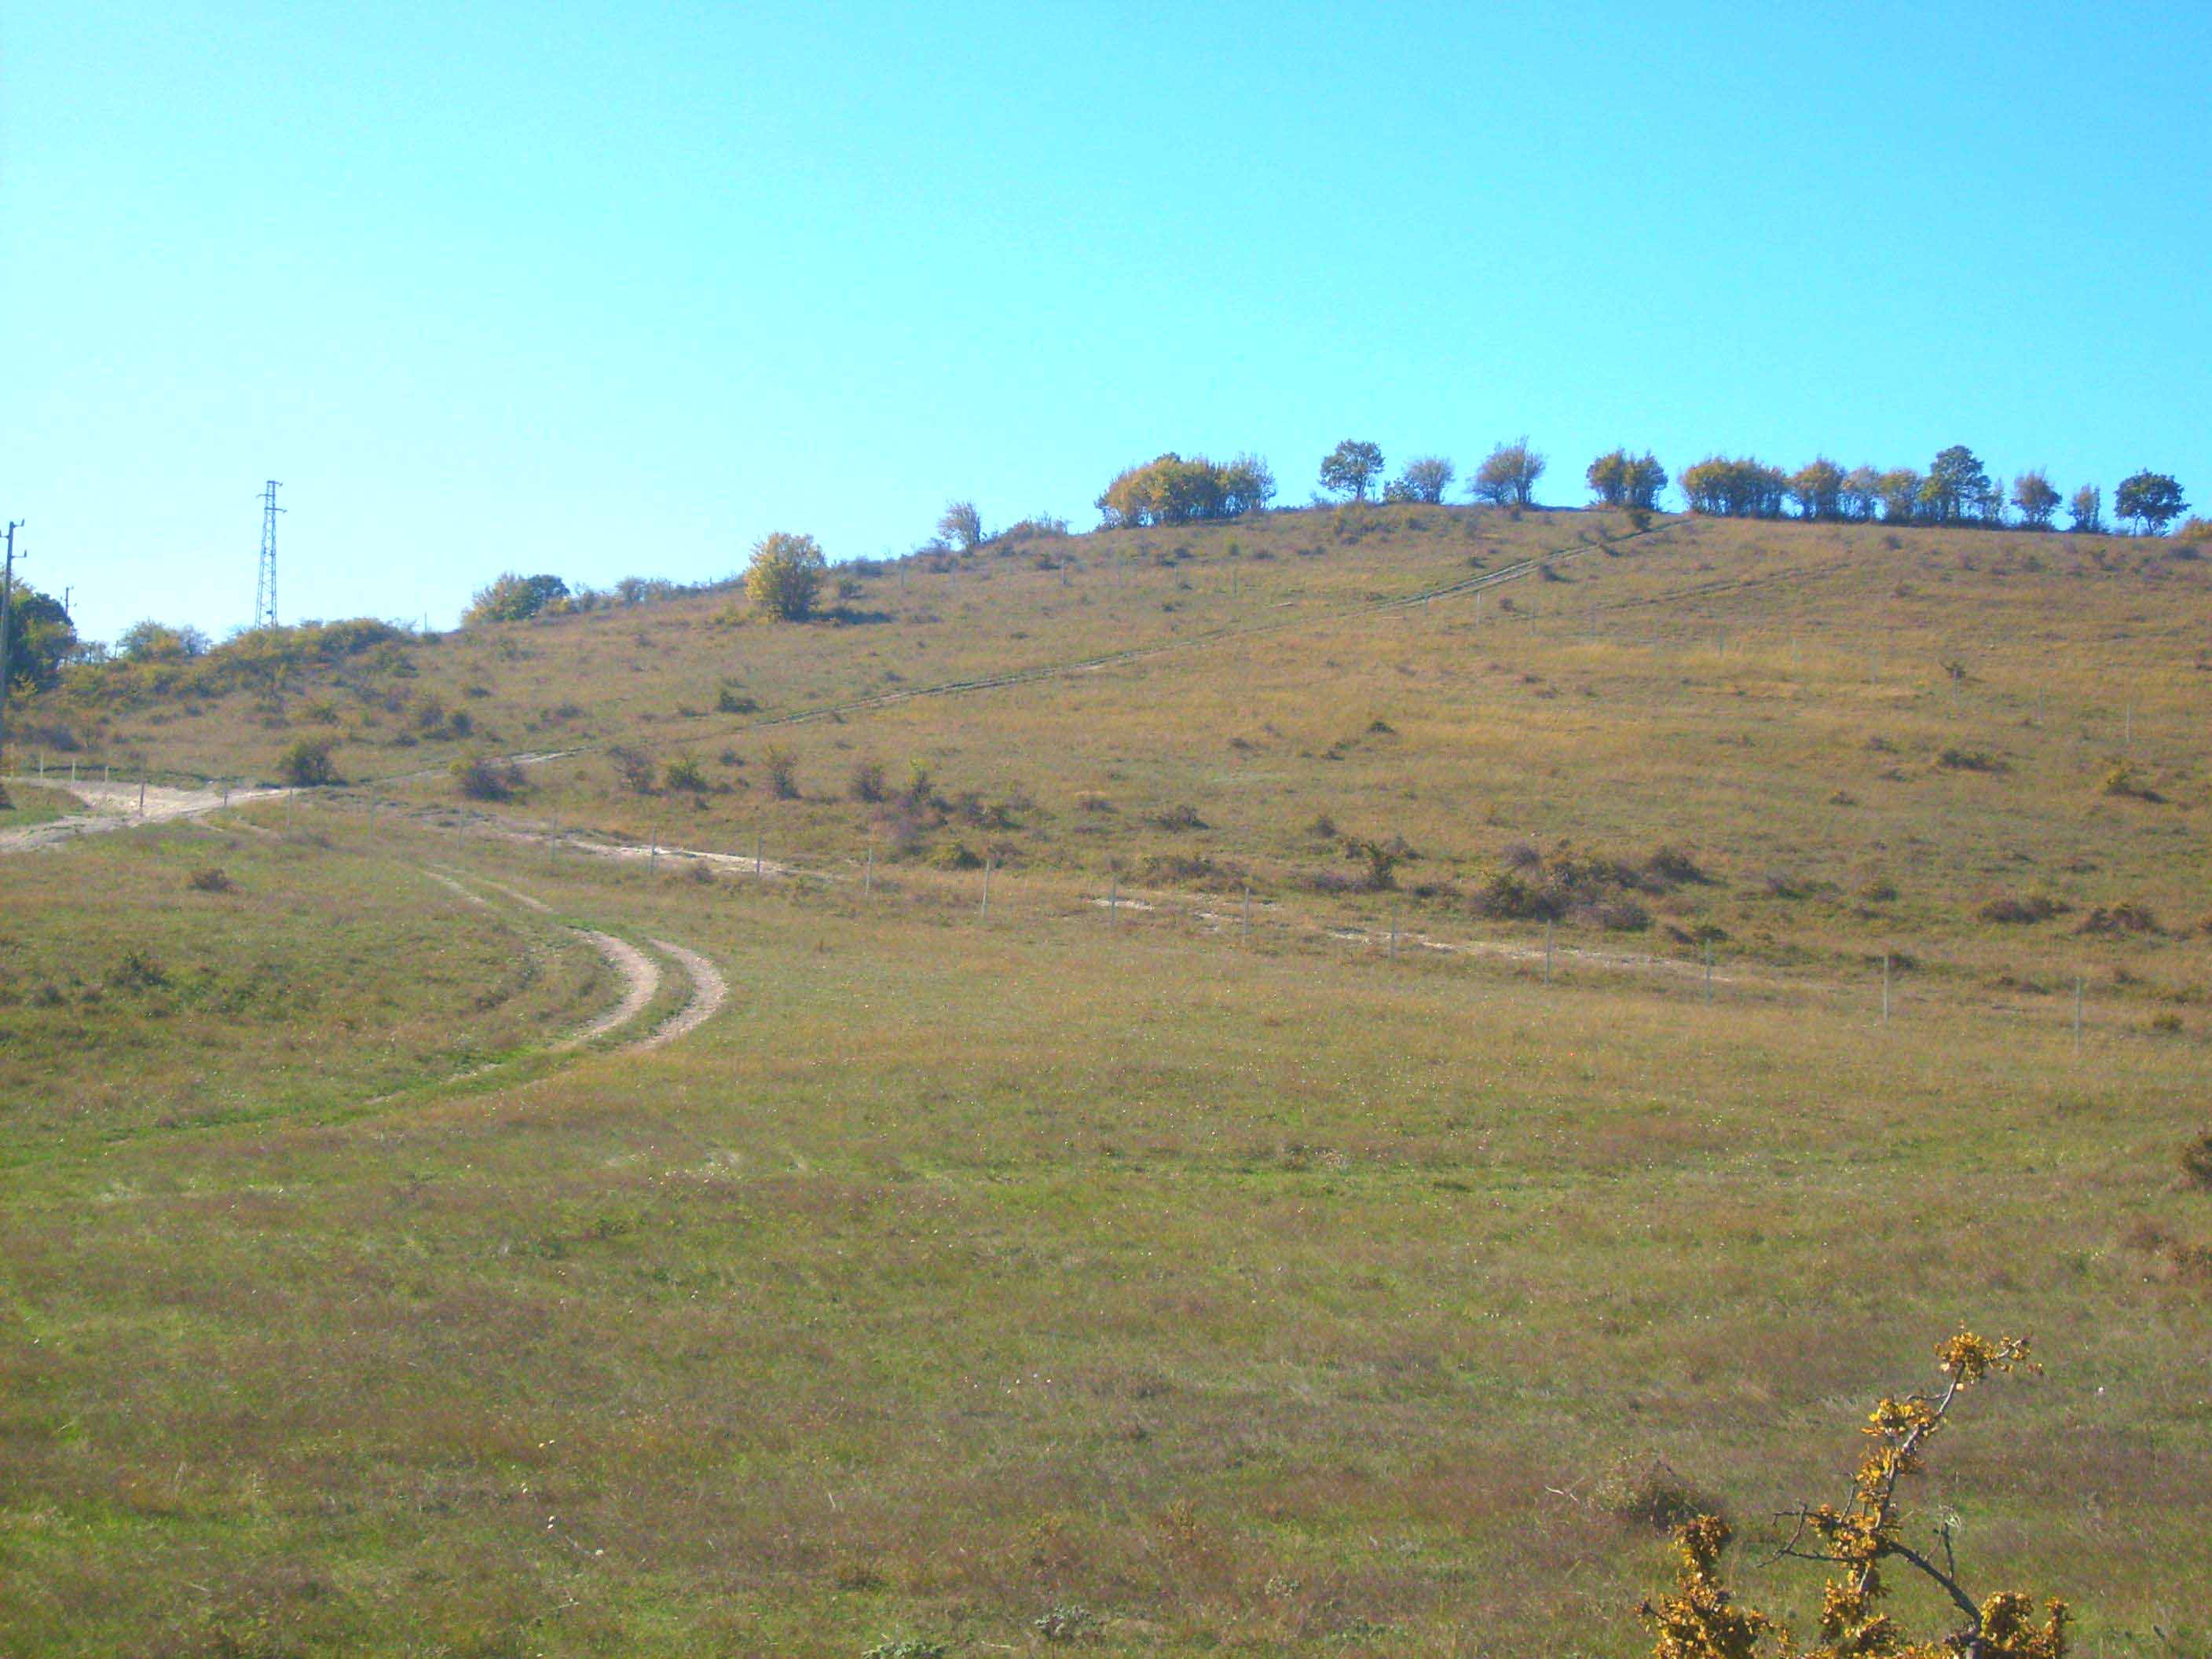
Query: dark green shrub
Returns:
{"type": "Point", "coordinates": [307, 765]}
{"type": "Point", "coordinates": [486, 777]}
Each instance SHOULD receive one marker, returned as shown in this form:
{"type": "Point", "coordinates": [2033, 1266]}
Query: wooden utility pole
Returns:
{"type": "Point", "coordinates": [7, 633]}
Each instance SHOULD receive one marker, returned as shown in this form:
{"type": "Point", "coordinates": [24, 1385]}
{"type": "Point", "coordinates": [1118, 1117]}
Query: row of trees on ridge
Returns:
{"type": "Point", "coordinates": [1956, 490]}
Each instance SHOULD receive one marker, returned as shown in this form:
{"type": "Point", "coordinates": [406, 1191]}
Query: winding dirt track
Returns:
{"type": "Point", "coordinates": [640, 980]}
{"type": "Point", "coordinates": [123, 806]}
{"type": "Point", "coordinates": [116, 806]}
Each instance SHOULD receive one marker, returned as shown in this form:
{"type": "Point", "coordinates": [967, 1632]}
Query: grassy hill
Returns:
{"type": "Point", "coordinates": [1188, 1283]}
{"type": "Point", "coordinates": [1843, 741]}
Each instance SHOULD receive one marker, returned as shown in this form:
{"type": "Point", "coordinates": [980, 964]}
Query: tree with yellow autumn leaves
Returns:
{"type": "Point", "coordinates": [1861, 1542]}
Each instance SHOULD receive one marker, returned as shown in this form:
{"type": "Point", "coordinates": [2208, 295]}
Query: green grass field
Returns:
{"type": "Point", "coordinates": [1213, 1292]}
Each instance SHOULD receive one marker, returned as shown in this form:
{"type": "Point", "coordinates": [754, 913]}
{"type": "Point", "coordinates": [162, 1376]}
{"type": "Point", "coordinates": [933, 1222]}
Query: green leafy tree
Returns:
{"type": "Point", "coordinates": [1352, 468]}
{"type": "Point", "coordinates": [153, 641]}
{"type": "Point", "coordinates": [1620, 479]}
{"type": "Point", "coordinates": [785, 575]}
{"type": "Point", "coordinates": [1956, 484]}
{"type": "Point", "coordinates": [1861, 493]}
{"type": "Point", "coordinates": [1247, 484]}
{"type": "Point", "coordinates": [1743, 488]}
{"type": "Point", "coordinates": [40, 639]}
{"type": "Point", "coordinates": [1425, 478]}
{"type": "Point", "coordinates": [1170, 490]}
{"type": "Point", "coordinates": [2036, 499]}
{"type": "Point", "coordinates": [513, 598]}
{"type": "Point", "coordinates": [2088, 510]}
{"type": "Point", "coordinates": [962, 526]}
{"type": "Point", "coordinates": [1508, 474]}
{"type": "Point", "coordinates": [1900, 495]}
{"type": "Point", "coordinates": [1818, 489]}
{"type": "Point", "coordinates": [2149, 501]}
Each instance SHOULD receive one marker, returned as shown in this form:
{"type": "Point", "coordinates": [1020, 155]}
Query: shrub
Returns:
{"type": "Point", "coordinates": [633, 769]}
{"type": "Point", "coordinates": [210, 880]}
{"type": "Point", "coordinates": [514, 599]}
{"type": "Point", "coordinates": [2124, 782]}
{"type": "Point", "coordinates": [1381, 859]}
{"type": "Point", "coordinates": [957, 855]}
{"type": "Point", "coordinates": [2197, 1162]}
{"type": "Point", "coordinates": [868, 785]}
{"type": "Point", "coordinates": [1191, 870]}
{"type": "Point", "coordinates": [2012, 911]}
{"type": "Point", "coordinates": [307, 765]}
{"type": "Point", "coordinates": [1647, 1491]}
{"type": "Point", "coordinates": [138, 972]}
{"type": "Point", "coordinates": [2126, 917]}
{"type": "Point", "coordinates": [908, 1647]}
{"type": "Point", "coordinates": [684, 772]}
{"type": "Point", "coordinates": [1971, 760]}
{"type": "Point", "coordinates": [785, 575]}
{"type": "Point", "coordinates": [486, 777]}
{"type": "Point", "coordinates": [1673, 867]}
{"type": "Point", "coordinates": [1701, 1619]}
{"type": "Point", "coordinates": [728, 700]}
{"type": "Point", "coordinates": [1065, 1623]}
{"type": "Point", "coordinates": [783, 769]}
{"type": "Point", "coordinates": [1617, 915]}
{"type": "Point", "coordinates": [1179, 819]}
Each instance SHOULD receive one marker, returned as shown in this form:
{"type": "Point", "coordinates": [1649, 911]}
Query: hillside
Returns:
{"type": "Point", "coordinates": [408, 1250]}
{"type": "Point", "coordinates": [1955, 746]}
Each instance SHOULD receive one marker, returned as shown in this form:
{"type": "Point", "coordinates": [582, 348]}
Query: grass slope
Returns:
{"type": "Point", "coordinates": [1276, 1294]}
{"type": "Point", "coordinates": [1264, 1297]}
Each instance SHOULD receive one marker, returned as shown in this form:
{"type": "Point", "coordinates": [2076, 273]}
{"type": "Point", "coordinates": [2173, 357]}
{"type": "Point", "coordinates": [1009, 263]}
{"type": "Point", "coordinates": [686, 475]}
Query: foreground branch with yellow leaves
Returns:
{"type": "Point", "coordinates": [1701, 1619]}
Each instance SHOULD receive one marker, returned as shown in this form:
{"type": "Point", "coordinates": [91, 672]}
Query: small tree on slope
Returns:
{"type": "Point", "coordinates": [1700, 1619]}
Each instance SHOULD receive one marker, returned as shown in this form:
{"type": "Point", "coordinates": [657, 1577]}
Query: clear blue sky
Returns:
{"type": "Point", "coordinates": [597, 288]}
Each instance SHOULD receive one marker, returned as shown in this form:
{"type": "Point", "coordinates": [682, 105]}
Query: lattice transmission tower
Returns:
{"type": "Point", "coordinates": [264, 591]}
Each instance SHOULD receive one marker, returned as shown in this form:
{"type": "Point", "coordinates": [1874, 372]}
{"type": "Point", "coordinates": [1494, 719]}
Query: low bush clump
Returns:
{"type": "Point", "coordinates": [2012, 911]}
{"type": "Point", "coordinates": [729, 700]}
{"type": "Point", "coordinates": [2125, 782]}
{"type": "Point", "coordinates": [783, 769]}
{"type": "Point", "coordinates": [684, 772]}
{"type": "Point", "coordinates": [1179, 819]}
{"type": "Point", "coordinates": [1567, 884]}
{"type": "Point", "coordinates": [633, 769]}
{"type": "Point", "coordinates": [1647, 1491]}
{"type": "Point", "coordinates": [1381, 859]}
{"type": "Point", "coordinates": [1971, 760]}
{"type": "Point", "coordinates": [1192, 870]}
{"type": "Point", "coordinates": [210, 880]}
{"type": "Point", "coordinates": [868, 785]}
{"type": "Point", "coordinates": [486, 777]}
{"type": "Point", "coordinates": [2197, 1162]}
{"type": "Point", "coordinates": [307, 765]}
{"type": "Point", "coordinates": [2114, 921]}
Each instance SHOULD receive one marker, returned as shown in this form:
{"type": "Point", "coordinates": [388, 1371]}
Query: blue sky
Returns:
{"type": "Point", "coordinates": [601, 289]}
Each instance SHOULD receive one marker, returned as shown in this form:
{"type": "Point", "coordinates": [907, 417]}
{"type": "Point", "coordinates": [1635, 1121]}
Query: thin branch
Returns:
{"type": "Point", "coordinates": [1950, 1584]}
